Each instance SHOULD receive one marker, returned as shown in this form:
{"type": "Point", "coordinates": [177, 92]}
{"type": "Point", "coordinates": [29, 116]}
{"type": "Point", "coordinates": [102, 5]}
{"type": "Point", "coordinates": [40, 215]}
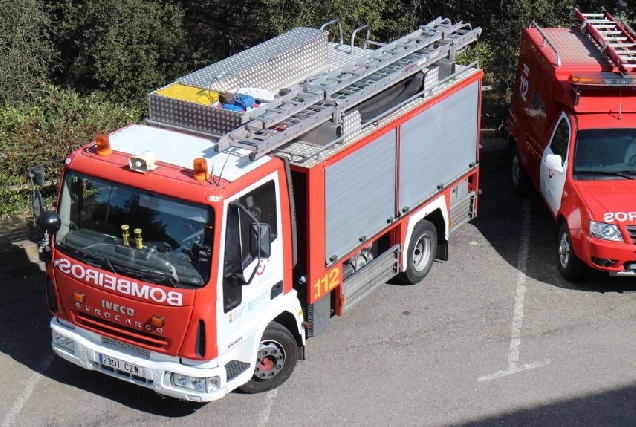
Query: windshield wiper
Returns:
{"type": "Point", "coordinates": [149, 275]}
{"type": "Point", "coordinates": [628, 174]}
{"type": "Point", "coordinates": [84, 256]}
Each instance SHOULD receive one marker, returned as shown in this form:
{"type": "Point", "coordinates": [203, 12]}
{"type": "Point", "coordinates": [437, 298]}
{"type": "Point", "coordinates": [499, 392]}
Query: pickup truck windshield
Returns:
{"type": "Point", "coordinates": [135, 233]}
{"type": "Point", "coordinates": [605, 154]}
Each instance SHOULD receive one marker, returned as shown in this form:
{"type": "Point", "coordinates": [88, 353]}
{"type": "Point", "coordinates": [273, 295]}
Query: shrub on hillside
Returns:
{"type": "Point", "coordinates": [47, 129]}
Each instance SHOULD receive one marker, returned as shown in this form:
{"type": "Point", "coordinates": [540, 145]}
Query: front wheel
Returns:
{"type": "Point", "coordinates": [275, 361]}
{"type": "Point", "coordinates": [519, 179]}
{"type": "Point", "coordinates": [421, 252]}
{"type": "Point", "coordinates": [570, 266]}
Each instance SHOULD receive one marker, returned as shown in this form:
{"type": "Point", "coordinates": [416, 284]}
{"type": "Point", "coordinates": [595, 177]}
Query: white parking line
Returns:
{"type": "Point", "coordinates": [29, 386]}
{"type": "Point", "coordinates": [269, 401]}
{"type": "Point", "coordinates": [517, 318]}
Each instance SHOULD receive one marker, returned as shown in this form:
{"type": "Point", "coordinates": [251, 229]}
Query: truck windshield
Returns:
{"type": "Point", "coordinates": [136, 233]}
{"type": "Point", "coordinates": [607, 153]}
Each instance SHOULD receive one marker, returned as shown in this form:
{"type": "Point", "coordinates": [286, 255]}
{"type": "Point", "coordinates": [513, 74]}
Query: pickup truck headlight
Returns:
{"type": "Point", "coordinates": [600, 230]}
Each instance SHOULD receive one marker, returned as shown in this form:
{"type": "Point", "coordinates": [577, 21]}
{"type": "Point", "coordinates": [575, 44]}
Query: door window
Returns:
{"type": "Point", "coordinates": [261, 204]}
{"type": "Point", "coordinates": [561, 139]}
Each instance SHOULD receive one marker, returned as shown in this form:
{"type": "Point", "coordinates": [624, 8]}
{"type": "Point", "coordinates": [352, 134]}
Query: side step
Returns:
{"type": "Point", "coordinates": [371, 276]}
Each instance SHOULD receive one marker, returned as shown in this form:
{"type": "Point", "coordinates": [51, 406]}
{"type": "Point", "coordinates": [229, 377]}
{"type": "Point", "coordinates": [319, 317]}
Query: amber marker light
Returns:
{"type": "Point", "coordinates": [200, 169]}
{"type": "Point", "coordinates": [79, 297]}
{"type": "Point", "coordinates": [156, 321]}
{"type": "Point", "coordinates": [103, 145]}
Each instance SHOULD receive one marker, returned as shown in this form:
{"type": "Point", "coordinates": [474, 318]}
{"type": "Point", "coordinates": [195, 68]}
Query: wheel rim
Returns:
{"type": "Point", "coordinates": [515, 169]}
{"type": "Point", "coordinates": [421, 252]}
{"type": "Point", "coordinates": [270, 360]}
{"type": "Point", "coordinates": [564, 250]}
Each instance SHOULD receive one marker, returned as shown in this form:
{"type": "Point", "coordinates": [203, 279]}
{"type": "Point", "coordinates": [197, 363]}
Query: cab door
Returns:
{"type": "Point", "coordinates": [553, 168]}
{"type": "Point", "coordinates": [251, 272]}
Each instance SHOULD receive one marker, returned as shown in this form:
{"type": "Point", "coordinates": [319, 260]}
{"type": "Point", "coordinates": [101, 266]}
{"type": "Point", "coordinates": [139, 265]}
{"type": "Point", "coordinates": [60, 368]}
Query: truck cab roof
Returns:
{"type": "Point", "coordinates": [180, 149]}
{"type": "Point", "coordinates": [583, 78]}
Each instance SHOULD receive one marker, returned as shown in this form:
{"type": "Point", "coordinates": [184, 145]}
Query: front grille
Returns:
{"type": "Point", "coordinates": [141, 352]}
{"type": "Point", "coordinates": [631, 229]}
{"type": "Point", "coordinates": [118, 332]}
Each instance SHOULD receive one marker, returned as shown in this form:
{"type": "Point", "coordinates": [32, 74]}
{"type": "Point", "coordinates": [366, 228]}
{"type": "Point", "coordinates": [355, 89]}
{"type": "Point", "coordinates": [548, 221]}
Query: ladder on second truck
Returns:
{"type": "Point", "coordinates": [615, 38]}
{"type": "Point", "coordinates": [327, 96]}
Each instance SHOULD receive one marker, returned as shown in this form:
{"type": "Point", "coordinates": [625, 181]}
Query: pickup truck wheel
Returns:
{"type": "Point", "coordinates": [518, 177]}
{"type": "Point", "coordinates": [421, 253]}
{"type": "Point", "coordinates": [570, 266]}
{"type": "Point", "coordinates": [275, 361]}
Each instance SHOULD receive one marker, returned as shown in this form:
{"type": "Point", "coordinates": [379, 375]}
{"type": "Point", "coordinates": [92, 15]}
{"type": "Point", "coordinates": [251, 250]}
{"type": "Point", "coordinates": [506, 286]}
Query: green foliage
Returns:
{"type": "Point", "coordinates": [11, 201]}
{"type": "Point", "coordinates": [125, 47]}
{"type": "Point", "coordinates": [219, 28]}
{"type": "Point", "coordinates": [60, 122]}
{"type": "Point", "coordinates": [109, 54]}
{"type": "Point", "coordinates": [26, 53]}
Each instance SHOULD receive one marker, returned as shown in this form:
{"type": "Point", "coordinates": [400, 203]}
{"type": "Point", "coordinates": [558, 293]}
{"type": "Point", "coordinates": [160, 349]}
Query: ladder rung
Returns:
{"type": "Point", "coordinates": [611, 37]}
{"type": "Point", "coordinates": [327, 96]}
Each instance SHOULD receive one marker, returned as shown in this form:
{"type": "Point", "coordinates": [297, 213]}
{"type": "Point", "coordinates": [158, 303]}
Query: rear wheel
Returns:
{"type": "Point", "coordinates": [421, 252]}
{"type": "Point", "coordinates": [519, 179]}
{"type": "Point", "coordinates": [570, 266]}
{"type": "Point", "coordinates": [276, 359]}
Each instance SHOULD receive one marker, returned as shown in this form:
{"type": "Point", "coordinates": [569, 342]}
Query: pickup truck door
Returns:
{"type": "Point", "coordinates": [553, 169]}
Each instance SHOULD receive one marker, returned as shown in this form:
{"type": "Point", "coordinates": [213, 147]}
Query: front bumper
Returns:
{"type": "Point", "coordinates": [90, 352]}
{"type": "Point", "coordinates": [616, 258]}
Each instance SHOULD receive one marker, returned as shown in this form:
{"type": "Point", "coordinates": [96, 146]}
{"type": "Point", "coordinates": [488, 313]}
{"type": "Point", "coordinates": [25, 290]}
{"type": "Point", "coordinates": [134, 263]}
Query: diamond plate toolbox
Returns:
{"type": "Point", "coordinates": [275, 64]}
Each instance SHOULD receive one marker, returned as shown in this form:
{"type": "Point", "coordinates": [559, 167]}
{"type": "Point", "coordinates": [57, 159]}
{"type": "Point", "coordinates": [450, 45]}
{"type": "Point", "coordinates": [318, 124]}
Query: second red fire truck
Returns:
{"type": "Point", "coordinates": [266, 193]}
{"type": "Point", "coordinates": [572, 128]}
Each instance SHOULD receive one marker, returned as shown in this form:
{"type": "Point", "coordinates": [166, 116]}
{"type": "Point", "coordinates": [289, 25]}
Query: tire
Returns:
{"type": "Point", "coordinates": [421, 253]}
{"type": "Point", "coordinates": [519, 179]}
{"type": "Point", "coordinates": [570, 266]}
{"type": "Point", "coordinates": [276, 360]}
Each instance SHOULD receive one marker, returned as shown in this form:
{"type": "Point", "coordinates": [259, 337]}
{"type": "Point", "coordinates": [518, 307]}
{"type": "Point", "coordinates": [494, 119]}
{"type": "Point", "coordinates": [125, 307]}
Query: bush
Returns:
{"type": "Point", "coordinates": [37, 133]}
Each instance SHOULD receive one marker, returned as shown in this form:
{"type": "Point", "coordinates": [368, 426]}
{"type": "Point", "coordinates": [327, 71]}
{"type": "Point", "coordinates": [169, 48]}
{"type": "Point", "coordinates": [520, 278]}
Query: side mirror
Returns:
{"type": "Point", "coordinates": [554, 162]}
{"type": "Point", "coordinates": [260, 240]}
{"type": "Point", "coordinates": [49, 222]}
{"type": "Point", "coordinates": [36, 174]}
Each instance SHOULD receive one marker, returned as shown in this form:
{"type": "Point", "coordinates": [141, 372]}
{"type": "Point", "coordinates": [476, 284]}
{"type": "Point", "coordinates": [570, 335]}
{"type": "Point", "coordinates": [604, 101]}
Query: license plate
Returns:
{"type": "Point", "coordinates": [120, 365]}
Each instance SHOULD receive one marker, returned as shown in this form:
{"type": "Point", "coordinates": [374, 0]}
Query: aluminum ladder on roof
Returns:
{"type": "Point", "coordinates": [615, 38]}
{"type": "Point", "coordinates": [324, 97]}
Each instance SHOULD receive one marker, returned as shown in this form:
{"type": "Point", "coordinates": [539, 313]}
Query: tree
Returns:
{"type": "Point", "coordinates": [125, 47]}
{"type": "Point", "coordinates": [26, 52]}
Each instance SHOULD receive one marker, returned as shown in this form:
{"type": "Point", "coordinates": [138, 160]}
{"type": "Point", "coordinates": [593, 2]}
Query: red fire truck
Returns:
{"type": "Point", "coordinates": [572, 129]}
{"type": "Point", "coordinates": [265, 194]}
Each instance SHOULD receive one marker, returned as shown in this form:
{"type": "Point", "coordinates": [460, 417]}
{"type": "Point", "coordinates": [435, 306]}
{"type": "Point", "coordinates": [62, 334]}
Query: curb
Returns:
{"type": "Point", "coordinates": [19, 254]}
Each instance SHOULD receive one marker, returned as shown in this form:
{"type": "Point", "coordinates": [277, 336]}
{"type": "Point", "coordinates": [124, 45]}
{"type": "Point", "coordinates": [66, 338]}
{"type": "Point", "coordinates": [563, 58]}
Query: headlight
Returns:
{"type": "Point", "coordinates": [204, 385]}
{"type": "Point", "coordinates": [600, 230]}
{"type": "Point", "coordinates": [63, 342]}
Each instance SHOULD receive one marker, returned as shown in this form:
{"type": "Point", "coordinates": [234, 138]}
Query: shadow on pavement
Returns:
{"type": "Point", "coordinates": [615, 408]}
{"type": "Point", "coordinates": [501, 214]}
{"type": "Point", "coordinates": [26, 336]}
